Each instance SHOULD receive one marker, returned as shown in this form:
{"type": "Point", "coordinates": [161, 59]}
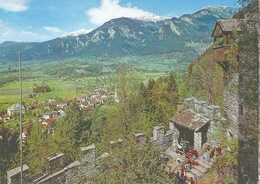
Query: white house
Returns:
{"type": "Point", "coordinates": [51, 100]}
{"type": "Point", "coordinates": [62, 106]}
{"type": "Point", "coordinates": [15, 108]}
{"type": "Point", "coordinates": [47, 115]}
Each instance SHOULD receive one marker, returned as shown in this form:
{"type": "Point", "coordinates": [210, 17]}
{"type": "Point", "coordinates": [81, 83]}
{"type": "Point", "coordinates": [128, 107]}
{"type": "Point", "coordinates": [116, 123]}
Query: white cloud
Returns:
{"type": "Point", "coordinates": [8, 33]}
{"type": "Point", "coordinates": [52, 29]}
{"type": "Point", "coordinates": [110, 9]}
{"type": "Point", "coordinates": [5, 31]}
{"type": "Point", "coordinates": [14, 5]}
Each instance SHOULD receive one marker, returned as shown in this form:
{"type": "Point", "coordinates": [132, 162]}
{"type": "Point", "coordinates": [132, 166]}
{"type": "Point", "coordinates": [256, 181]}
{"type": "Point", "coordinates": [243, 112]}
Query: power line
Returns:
{"type": "Point", "coordinates": [21, 129]}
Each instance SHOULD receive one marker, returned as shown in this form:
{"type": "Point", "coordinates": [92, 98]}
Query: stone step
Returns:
{"type": "Point", "coordinates": [196, 173]}
{"type": "Point", "coordinates": [172, 153]}
{"type": "Point", "coordinates": [200, 168]}
{"type": "Point", "coordinates": [203, 164]}
{"type": "Point", "coordinates": [201, 160]}
{"type": "Point", "coordinates": [201, 157]}
{"type": "Point", "coordinates": [189, 175]}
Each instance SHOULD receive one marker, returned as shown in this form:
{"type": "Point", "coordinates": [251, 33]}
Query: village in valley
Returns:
{"type": "Point", "coordinates": [194, 126]}
{"type": "Point", "coordinates": [53, 109]}
{"type": "Point", "coordinates": [191, 143]}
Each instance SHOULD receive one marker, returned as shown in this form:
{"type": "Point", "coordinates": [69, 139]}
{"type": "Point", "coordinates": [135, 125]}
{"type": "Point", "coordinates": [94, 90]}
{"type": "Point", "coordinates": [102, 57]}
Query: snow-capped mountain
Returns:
{"type": "Point", "coordinates": [153, 18]}
{"type": "Point", "coordinates": [187, 35]}
{"type": "Point", "coordinates": [76, 33]}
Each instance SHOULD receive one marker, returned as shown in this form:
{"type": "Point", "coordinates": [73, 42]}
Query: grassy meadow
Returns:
{"type": "Point", "coordinates": [10, 93]}
{"type": "Point", "coordinates": [63, 79]}
{"type": "Point", "coordinates": [61, 88]}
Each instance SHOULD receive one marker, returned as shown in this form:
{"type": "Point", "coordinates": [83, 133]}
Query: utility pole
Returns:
{"type": "Point", "coordinates": [21, 114]}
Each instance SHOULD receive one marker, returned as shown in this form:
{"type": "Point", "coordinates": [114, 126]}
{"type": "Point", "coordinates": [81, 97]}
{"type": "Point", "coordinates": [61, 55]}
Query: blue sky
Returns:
{"type": "Point", "coordinates": [41, 20]}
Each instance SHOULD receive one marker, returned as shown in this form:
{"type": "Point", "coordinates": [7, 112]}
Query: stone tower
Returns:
{"type": "Point", "coordinates": [240, 93]}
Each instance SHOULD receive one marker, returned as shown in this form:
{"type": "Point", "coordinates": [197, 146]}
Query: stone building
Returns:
{"type": "Point", "coordinates": [197, 124]}
{"type": "Point", "coordinates": [240, 91]}
{"type": "Point", "coordinates": [15, 108]}
{"type": "Point", "coordinates": [222, 30]}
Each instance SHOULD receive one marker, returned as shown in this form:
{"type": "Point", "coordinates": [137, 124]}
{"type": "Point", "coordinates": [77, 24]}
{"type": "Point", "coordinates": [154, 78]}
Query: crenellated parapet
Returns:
{"type": "Point", "coordinates": [14, 175]}
{"type": "Point", "coordinates": [57, 173]}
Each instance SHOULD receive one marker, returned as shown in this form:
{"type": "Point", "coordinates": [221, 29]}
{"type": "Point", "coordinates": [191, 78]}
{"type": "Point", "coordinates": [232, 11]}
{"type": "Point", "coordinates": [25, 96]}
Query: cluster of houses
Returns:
{"type": "Point", "coordinates": [54, 110]}
{"type": "Point", "coordinates": [95, 98]}
{"type": "Point", "coordinates": [12, 111]}
{"type": "Point", "coordinates": [86, 102]}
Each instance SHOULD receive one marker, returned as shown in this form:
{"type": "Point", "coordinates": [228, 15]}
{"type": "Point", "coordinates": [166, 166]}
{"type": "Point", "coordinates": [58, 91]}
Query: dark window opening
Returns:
{"type": "Point", "coordinates": [241, 110]}
{"type": "Point", "coordinates": [230, 134]}
{"type": "Point", "coordinates": [241, 79]}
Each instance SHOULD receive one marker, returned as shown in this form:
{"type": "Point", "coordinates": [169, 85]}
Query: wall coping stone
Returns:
{"type": "Point", "coordinates": [88, 148]}
{"type": "Point", "coordinates": [73, 164]}
{"type": "Point", "coordinates": [190, 99]}
{"type": "Point", "coordinates": [200, 102]}
{"type": "Point", "coordinates": [158, 127]}
{"type": "Point", "coordinates": [104, 155]}
{"type": "Point", "coordinates": [139, 134]}
{"type": "Point", "coordinates": [17, 170]}
{"type": "Point", "coordinates": [55, 157]}
{"type": "Point", "coordinates": [52, 175]}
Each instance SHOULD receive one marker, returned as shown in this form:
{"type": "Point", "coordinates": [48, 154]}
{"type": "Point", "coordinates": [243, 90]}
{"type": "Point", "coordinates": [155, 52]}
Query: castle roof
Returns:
{"type": "Point", "coordinates": [190, 119]}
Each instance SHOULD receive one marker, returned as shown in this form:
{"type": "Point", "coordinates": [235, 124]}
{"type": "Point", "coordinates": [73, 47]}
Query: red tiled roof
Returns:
{"type": "Point", "coordinates": [48, 121]}
{"type": "Point", "coordinates": [5, 116]}
{"type": "Point", "coordinates": [27, 127]}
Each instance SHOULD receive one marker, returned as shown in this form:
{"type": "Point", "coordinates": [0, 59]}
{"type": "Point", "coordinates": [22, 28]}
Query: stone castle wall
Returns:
{"type": "Point", "coordinates": [213, 113]}
{"type": "Point", "coordinates": [58, 174]}
{"type": "Point", "coordinates": [248, 118]}
{"type": "Point", "coordinates": [231, 104]}
{"type": "Point", "coordinates": [14, 175]}
{"type": "Point", "coordinates": [84, 168]}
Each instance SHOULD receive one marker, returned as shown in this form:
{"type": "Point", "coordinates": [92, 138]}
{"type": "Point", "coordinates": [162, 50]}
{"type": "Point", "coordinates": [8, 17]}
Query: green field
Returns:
{"type": "Point", "coordinates": [62, 77]}
{"type": "Point", "coordinates": [64, 89]}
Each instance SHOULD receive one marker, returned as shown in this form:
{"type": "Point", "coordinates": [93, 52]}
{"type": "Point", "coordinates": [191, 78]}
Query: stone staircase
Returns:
{"type": "Point", "coordinates": [201, 169]}
{"type": "Point", "coordinates": [196, 171]}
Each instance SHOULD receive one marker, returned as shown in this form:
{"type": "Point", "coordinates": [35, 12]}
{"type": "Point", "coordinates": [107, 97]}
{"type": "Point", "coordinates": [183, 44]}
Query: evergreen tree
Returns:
{"type": "Point", "coordinates": [172, 88]}
{"type": "Point", "coordinates": [39, 147]}
{"type": "Point", "coordinates": [9, 150]}
{"type": "Point", "coordinates": [206, 79]}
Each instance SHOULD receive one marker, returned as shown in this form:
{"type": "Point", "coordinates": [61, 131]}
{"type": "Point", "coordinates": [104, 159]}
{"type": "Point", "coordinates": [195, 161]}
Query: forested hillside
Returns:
{"type": "Point", "coordinates": [141, 106]}
{"type": "Point", "coordinates": [205, 79]}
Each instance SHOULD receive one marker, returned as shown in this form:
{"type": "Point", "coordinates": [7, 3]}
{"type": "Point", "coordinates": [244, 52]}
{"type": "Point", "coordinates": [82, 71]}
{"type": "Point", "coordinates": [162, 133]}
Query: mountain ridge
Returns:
{"type": "Point", "coordinates": [128, 36]}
